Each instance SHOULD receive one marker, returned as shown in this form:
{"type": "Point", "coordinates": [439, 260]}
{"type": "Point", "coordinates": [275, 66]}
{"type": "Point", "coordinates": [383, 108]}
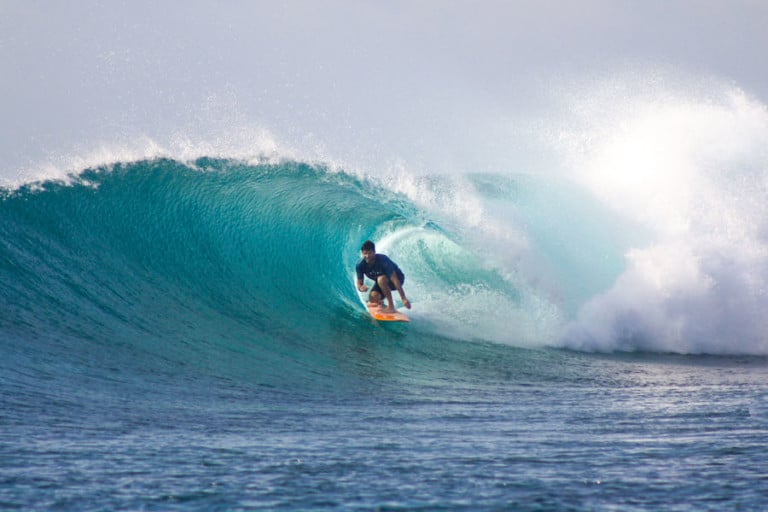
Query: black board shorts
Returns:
{"type": "Point", "coordinates": [375, 287]}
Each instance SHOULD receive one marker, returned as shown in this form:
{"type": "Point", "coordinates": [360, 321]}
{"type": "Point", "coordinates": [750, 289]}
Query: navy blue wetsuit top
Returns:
{"type": "Point", "coordinates": [382, 266]}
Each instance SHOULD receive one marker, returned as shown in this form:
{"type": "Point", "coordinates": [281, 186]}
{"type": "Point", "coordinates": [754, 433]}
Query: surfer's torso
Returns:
{"type": "Point", "coordinates": [382, 265]}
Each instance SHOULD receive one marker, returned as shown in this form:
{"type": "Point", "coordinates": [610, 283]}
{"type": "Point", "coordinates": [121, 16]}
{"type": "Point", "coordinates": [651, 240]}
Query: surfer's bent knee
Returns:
{"type": "Point", "coordinates": [384, 283]}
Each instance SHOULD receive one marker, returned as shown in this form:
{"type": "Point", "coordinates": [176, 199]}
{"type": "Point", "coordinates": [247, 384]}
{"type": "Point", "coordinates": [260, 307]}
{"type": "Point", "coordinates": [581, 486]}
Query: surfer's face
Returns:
{"type": "Point", "coordinates": [369, 256]}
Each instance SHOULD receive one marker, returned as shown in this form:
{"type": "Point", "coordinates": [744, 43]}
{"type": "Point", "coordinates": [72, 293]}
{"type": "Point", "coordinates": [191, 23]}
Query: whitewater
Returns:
{"type": "Point", "coordinates": [586, 255]}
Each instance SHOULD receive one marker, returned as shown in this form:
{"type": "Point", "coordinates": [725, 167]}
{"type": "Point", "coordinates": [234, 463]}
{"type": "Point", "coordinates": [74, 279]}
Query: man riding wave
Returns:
{"type": "Point", "coordinates": [386, 275]}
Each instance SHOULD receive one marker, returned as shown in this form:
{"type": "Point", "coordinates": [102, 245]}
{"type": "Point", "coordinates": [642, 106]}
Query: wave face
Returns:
{"type": "Point", "coordinates": [230, 268]}
{"type": "Point", "coordinates": [192, 264]}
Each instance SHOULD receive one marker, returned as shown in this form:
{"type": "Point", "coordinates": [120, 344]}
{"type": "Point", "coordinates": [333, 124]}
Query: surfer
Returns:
{"type": "Point", "coordinates": [386, 275]}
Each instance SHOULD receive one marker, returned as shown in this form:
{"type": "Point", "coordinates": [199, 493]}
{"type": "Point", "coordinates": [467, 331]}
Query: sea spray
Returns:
{"type": "Point", "coordinates": [690, 170]}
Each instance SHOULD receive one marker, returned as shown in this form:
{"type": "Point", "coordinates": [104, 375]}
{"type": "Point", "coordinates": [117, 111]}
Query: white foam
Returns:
{"type": "Point", "coordinates": [459, 295]}
{"type": "Point", "coordinates": [692, 169]}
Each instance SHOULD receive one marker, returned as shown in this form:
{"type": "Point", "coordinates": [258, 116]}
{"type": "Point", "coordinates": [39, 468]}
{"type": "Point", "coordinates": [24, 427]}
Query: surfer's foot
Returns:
{"type": "Point", "coordinates": [388, 310]}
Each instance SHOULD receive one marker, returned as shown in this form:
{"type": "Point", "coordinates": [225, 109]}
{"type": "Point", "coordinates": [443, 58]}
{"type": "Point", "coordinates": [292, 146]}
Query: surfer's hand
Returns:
{"type": "Point", "coordinates": [407, 303]}
{"type": "Point", "coordinates": [362, 288]}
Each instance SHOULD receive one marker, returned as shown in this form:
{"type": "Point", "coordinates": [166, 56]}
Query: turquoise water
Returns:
{"type": "Point", "coordinates": [187, 336]}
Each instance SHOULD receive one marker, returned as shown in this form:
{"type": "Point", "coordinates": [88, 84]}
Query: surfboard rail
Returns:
{"type": "Point", "coordinates": [378, 313]}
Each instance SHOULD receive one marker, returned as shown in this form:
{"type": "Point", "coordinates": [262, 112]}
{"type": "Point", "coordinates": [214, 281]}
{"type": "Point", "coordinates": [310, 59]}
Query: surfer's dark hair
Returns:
{"type": "Point", "coordinates": [368, 246]}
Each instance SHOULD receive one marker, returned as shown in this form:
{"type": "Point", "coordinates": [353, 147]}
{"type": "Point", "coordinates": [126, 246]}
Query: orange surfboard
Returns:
{"type": "Point", "coordinates": [377, 313]}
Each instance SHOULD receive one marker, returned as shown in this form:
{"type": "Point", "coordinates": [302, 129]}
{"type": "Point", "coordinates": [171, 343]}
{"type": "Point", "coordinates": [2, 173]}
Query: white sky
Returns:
{"type": "Point", "coordinates": [387, 79]}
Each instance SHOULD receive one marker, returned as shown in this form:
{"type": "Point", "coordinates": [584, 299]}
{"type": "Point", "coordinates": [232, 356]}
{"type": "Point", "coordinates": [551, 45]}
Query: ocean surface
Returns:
{"type": "Point", "coordinates": [186, 335]}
